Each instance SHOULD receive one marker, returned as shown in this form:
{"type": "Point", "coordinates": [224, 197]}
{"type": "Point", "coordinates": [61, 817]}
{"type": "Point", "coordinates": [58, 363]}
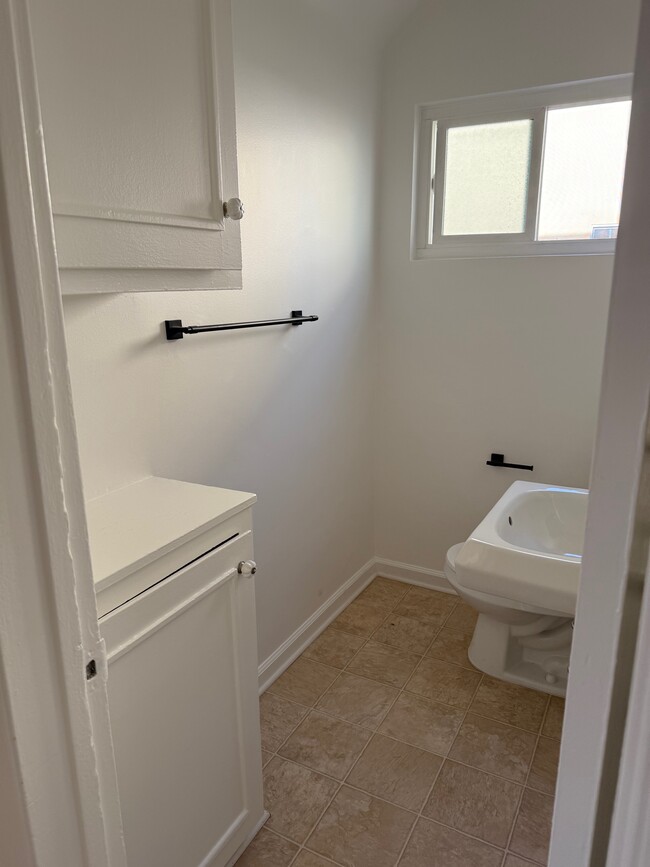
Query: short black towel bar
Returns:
{"type": "Point", "coordinates": [497, 460]}
{"type": "Point", "coordinates": [174, 328]}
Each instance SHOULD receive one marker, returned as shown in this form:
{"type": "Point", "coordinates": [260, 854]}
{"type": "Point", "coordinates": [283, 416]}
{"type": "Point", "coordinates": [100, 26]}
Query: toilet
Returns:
{"type": "Point", "coordinates": [513, 640]}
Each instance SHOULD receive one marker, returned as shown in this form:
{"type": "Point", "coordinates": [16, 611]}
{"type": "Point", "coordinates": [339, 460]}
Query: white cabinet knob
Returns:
{"type": "Point", "coordinates": [233, 208]}
{"type": "Point", "coordinates": [247, 567]}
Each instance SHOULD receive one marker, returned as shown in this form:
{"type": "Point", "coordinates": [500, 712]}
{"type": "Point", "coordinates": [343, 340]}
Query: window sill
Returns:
{"type": "Point", "coordinates": [515, 249]}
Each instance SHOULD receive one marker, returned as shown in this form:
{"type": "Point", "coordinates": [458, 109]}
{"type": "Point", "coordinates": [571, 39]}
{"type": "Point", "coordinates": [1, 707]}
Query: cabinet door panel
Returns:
{"type": "Point", "coordinates": [138, 111]}
{"type": "Point", "coordinates": [183, 705]}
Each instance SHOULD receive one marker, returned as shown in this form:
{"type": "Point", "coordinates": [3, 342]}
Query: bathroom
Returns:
{"type": "Point", "coordinates": [364, 434]}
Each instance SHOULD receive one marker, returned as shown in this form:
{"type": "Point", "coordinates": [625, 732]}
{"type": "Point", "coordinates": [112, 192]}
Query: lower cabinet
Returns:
{"type": "Point", "coordinates": [182, 684]}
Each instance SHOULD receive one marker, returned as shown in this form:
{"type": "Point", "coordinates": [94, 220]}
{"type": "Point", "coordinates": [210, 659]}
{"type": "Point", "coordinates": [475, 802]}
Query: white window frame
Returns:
{"type": "Point", "coordinates": [427, 241]}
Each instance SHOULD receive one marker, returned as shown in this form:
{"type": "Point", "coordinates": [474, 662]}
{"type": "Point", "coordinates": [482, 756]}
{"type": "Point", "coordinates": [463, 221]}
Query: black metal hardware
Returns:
{"type": "Point", "coordinates": [498, 461]}
{"type": "Point", "coordinates": [174, 328]}
{"type": "Point", "coordinates": [91, 669]}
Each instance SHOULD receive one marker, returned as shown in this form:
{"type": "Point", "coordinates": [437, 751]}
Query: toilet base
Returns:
{"type": "Point", "coordinates": [497, 652]}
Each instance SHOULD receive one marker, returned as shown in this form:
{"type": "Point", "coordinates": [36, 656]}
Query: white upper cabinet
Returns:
{"type": "Point", "coordinates": [138, 111]}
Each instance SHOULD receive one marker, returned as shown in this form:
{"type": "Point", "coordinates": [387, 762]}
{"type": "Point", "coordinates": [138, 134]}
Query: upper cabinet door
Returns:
{"type": "Point", "coordinates": [138, 111]}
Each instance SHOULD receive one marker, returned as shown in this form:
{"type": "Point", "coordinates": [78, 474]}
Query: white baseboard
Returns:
{"type": "Point", "coordinates": [275, 664]}
{"type": "Point", "coordinates": [431, 578]}
{"type": "Point", "coordinates": [249, 839]}
{"type": "Point", "coordinates": [280, 659]}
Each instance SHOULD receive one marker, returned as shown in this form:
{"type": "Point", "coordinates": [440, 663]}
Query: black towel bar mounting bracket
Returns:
{"type": "Point", "coordinates": [498, 461]}
{"type": "Point", "coordinates": [174, 328]}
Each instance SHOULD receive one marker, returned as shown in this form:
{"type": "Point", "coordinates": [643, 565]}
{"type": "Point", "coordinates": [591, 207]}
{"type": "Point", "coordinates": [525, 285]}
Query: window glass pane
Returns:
{"type": "Point", "coordinates": [582, 171]}
{"type": "Point", "coordinates": [486, 178]}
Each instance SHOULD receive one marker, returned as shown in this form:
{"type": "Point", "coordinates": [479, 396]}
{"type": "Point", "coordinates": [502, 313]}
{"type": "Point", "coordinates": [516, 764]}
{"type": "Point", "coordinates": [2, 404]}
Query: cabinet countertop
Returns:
{"type": "Point", "coordinates": [133, 526]}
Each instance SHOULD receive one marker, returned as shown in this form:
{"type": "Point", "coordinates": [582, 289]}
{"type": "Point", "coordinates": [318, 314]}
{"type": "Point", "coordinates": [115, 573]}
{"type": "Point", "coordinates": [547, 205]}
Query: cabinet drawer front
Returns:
{"type": "Point", "coordinates": [155, 607]}
{"type": "Point", "coordinates": [113, 593]}
{"type": "Point", "coordinates": [182, 684]}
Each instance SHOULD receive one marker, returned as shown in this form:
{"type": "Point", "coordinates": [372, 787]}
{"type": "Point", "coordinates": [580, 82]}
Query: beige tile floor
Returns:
{"type": "Point", "coordinates": [383, 745]}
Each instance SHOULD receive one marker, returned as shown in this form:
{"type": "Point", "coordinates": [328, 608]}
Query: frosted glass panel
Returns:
{"type": "Point", "coordinates": [582, 171]}
{"type": "Point", "coordinates": [486, 178]}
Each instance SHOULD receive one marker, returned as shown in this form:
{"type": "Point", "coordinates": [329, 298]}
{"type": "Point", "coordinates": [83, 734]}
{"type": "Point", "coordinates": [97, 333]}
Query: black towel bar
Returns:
{"type": "Point", "coordinates": [174, 328]}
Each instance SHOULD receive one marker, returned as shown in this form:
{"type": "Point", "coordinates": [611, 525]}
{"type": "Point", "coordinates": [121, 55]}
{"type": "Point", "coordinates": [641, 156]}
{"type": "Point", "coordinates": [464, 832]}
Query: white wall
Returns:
{"type": "Point", "coordinates": [472, 356]}
{"type": "Point", "coordinates": [482, 355]}
{"type": "Point", "coordinates": [282, 412]}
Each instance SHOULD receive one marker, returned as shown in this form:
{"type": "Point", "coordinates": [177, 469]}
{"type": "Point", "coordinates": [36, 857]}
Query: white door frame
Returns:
{"type": "Point", "coordinates": [55, 735]}
{"type": "Point", "coordinates": [629, 843]}
{"type": "Point", "coordinates": [605, 638]}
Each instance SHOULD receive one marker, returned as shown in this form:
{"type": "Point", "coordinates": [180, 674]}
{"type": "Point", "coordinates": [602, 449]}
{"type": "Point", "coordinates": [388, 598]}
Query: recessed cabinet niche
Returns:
{"type": "Point", "coordinates": [138, 112]}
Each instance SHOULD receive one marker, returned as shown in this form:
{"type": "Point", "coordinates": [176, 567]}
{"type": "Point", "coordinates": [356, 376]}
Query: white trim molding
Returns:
{"type": "Point", "coordinates": [58, 719]}
{"type": "Point", "coordinates": [604, 641]}
{"type": "Point", "coordinates": [273, 666]}
{"type": "Point", "coordinates": [235, 858]}
{"type": "Point", "coordinates": [630, 836]}
{"type": "Point", "coordinates": [418, 575]}
{"type": "Point", "coordinates": [88, 281]}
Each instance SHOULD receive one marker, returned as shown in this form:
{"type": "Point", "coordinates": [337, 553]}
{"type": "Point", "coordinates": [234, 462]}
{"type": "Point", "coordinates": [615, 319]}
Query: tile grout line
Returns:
{"type": "Point", "coordinates": [365, 747]}
{"type": "Point", "coordinates": [446, 758]}
{"type": "Point", "coordinates": [309, 709]}
{"type": "Point", "coordinates": [375, 731]}
{"type": "Point", "coordinates": [442, 764]}
{"type": "Point", "coordinates": [437, 701]}
{"type": "Point", "coordinates": [417, 814]}
{"type": "Point", "coordinates": [301, 845]}
{"type": "Point", "coordinates": [514, 823]}
{"type": "Point", "coordinates": [525, 785]}
{"type": "Point", "coordinates": [342, 782]}
{"type": "Point", "coordinates": [370, 638]}
{"type": "Point", "coordinates": [407, 617]}
{"type": "Point", "coordinates": [389, 737]}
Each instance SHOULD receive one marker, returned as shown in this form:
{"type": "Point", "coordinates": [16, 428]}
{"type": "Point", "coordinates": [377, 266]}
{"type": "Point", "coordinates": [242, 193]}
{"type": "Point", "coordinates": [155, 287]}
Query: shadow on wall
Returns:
{"type": "Point", "coordinates": [284, 413]}
{"type": "Point", "coordinates": [479, 355]}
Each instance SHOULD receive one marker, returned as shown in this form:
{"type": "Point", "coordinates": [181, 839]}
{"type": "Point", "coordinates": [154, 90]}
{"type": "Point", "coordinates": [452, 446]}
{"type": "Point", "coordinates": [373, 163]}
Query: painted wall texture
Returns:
{"type": "Point", "coordinates": [366, 433]}
{"type": "Point", "coordinates": [281, 412]}
{"type": "Point", "coordinates": [479, 355]}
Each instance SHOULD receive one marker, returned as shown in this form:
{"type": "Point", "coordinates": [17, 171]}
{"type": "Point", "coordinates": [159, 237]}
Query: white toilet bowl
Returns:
{"type": "Point", "coordinates": [504, 610]}
{"type": "Point", "coordinates": [519, 642]}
